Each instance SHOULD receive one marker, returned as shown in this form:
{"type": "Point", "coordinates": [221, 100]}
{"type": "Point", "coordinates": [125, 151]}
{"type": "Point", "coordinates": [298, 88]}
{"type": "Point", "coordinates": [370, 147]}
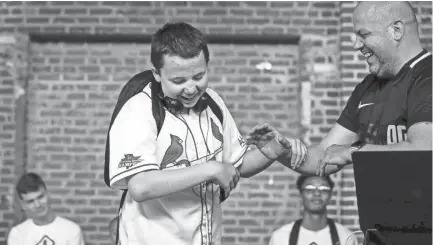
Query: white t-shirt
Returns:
{"type": "Point", "coordinates": [59, 232]}
{"type": "Point", "coordinates": [309, 237]}
{"type": "Point", "coordinates": [187, 217]}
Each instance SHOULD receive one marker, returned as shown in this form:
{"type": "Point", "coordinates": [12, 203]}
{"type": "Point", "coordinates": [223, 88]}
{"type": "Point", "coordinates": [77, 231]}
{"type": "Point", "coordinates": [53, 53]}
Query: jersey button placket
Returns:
{"type": "Point", "coordinates": [205, 224]}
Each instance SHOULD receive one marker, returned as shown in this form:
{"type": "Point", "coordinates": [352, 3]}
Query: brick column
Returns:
{"type": "Point", "coordinates": [320, 97]}
{"type": "Point", "coordinates": [13, 77]}
{"type": "Point", "coordinates": [353, 69]}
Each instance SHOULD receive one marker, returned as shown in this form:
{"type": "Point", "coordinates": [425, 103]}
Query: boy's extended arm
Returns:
{"type": "Point", "coordinates": [254, 163]}
{"type": "Point", "coordinates": [154, 184]}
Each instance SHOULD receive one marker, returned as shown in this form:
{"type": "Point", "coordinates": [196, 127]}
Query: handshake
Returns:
{"type": "Point", "coordinates": [271, 144]}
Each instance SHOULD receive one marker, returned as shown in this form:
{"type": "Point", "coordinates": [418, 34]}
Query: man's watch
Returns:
{"type": "Point", "coordinates": [356, 146]}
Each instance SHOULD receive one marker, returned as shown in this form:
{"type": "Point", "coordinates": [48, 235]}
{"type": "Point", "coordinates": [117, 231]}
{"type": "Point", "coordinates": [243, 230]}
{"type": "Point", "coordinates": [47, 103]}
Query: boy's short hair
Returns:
{"type": "Point", "coordinates": [177, 39]}
{"type": "Point", "coordinates": [302, 178]}
{"type": "Point", "coordinates": [29, 182]}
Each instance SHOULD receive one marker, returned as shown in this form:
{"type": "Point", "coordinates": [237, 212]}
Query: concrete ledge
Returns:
{"type": "Point", "coordinates": [146, 38]}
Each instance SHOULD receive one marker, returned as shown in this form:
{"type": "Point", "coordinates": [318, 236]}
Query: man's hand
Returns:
{"type": "Point", "coordinates": [273, 145]}
{"type": "Point", "coordinates": [225, 175]}
{"type": "Point", "coordinates": [338, 155]}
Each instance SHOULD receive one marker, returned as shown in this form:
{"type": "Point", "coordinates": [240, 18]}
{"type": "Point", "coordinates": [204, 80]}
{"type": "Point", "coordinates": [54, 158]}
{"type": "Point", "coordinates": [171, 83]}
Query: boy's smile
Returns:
{"type": "Point", "coordinates": [184, 79]}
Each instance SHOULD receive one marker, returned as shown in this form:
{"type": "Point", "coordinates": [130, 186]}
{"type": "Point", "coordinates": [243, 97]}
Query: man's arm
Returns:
{"type": "Point", "coordinates": [153, 184]}
{"type": "Point", "coordinates": [419, 134]}
{"type": "Point", "coordinates": [338, 135]}
{"type": "Point", "coordinates": [419, 138]}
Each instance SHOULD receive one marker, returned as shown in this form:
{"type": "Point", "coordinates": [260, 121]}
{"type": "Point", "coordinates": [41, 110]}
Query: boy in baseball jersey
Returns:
{"type": "Point", "coordinates": [173, 174]}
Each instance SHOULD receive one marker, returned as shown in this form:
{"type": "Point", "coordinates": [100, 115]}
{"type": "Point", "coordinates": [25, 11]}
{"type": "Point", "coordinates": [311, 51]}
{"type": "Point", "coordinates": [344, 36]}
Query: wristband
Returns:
{"type": "Point", "coordinates": [356, 146]}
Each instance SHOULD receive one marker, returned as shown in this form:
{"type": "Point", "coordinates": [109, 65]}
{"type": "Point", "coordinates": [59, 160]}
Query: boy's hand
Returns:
{"type": "Point", "coordinates": [273, 145]}
{"type": "Point", "coordinates": [269, 141]}
{"type": "Point", "coordinates": [226, 176]}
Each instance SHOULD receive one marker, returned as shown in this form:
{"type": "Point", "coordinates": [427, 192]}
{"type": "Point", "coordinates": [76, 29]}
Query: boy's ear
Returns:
{"type": "Point", "coordinates": [156, 74]}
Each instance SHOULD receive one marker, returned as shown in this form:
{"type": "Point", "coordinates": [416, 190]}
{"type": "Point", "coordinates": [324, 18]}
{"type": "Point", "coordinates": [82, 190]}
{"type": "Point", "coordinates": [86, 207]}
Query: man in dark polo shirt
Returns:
{"type": "Point", "coordinates": [391, 109]}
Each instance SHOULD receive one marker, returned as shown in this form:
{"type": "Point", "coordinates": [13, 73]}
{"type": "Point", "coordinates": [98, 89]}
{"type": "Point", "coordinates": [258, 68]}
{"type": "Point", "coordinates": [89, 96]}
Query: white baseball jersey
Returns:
{"type": "Point", "coordinates": [309, 237]}
{"type": "Point", "coordinates": [189, 217]}
{"type": "Point", "coordinates": [59, 232]}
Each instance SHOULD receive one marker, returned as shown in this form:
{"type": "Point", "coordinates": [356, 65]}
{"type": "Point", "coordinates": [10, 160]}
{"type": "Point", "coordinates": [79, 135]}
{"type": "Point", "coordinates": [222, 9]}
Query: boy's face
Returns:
{"type": "Point", "coordinates": [316, 194]}
{"type": "Point", "coordinates": [35, 204]}
{"type": "Point", "coordinates": [184, 79]}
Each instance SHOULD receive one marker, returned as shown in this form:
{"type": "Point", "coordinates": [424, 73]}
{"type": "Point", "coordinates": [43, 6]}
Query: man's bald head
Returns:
{"type": "Point", "coordinates": [386, 33]}
{"type": "Point", "coordinates": [382, 14]}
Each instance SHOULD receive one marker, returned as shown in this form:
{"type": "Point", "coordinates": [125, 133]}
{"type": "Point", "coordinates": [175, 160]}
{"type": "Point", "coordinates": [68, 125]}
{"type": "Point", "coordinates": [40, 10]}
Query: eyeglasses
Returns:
{"type": "Point", "coordinates": [312, 188]}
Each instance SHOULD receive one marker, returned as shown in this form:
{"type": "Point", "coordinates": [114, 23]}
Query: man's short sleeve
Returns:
{"type": "Point", "coordinates": [132, 141]}
{"type": "Point", "coordinates": [420, 101]}
{"type": "Point", "coordinates": [234, 144]}
{"type": "Point", "coordinates": [348, 117]}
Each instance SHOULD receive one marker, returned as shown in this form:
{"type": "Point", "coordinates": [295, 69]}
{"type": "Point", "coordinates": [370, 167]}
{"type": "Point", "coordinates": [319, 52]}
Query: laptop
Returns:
{"type": "Point", "coordinates": [394, 195]}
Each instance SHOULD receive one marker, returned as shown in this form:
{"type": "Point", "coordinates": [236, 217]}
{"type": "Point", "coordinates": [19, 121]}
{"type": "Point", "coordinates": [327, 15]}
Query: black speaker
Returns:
{"type": "Point", "coordinates": [394, 196]}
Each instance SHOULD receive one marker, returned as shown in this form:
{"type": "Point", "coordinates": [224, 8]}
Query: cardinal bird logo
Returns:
{"type": "Point", "coordinates": [173, 152]}
{"type": "Point", "coordinates": [129, 161]}
{"type": "Point", "coordinates": [216, 131]}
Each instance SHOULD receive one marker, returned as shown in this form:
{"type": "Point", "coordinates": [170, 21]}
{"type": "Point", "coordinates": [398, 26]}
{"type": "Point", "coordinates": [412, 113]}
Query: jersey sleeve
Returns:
{"type": "Point", "coordinates": [132, 141]}
{"type": "Point", "coordinates": [348, 117]}
{"type": "Point", "coordinates": [420, 101]}
{"type": "Point", "coordinates": [234, 146]}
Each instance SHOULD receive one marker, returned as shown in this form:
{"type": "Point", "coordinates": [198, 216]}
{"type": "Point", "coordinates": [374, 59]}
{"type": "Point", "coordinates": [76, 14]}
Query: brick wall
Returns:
{"type": "Point", "coordinates": [7, 139]}
{"type": "Point", "coordinates": [134, 17]}
{"type": "Point", "coordinates": [13, 71]}
{"type": "Point", "coordinates": [69, 141]}
{"type": "Point", "coordinates": [73, 89]}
